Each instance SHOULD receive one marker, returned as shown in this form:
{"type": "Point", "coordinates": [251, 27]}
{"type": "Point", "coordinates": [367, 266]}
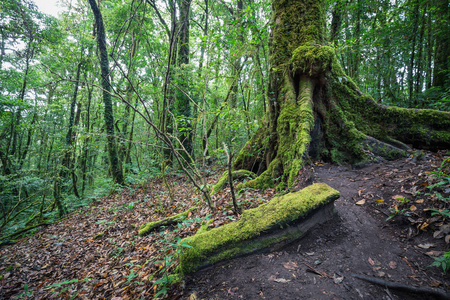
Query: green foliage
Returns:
{"type": "Point", "coordinates": [442, 262]}
{"type": "Point", "coordinates": [25, 294]}
{"type": "Point", "coordinates": [442, 176]}
{"type": "Point", "coordinates": [396, 210]}
{"type": "Point", "coordinates": [66, 285]}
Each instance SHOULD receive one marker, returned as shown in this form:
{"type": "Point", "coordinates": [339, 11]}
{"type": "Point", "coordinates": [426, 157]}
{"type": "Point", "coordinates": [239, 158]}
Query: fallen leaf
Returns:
{"type": "Point", "coordinates": [435, 283]}
{"type": "Point", "coordinates": [423, 226]}
{"type": "Point", "coordinates": [337, 279]}
{"type": "Point", "coordinates": [434, 253]}
{"type": "Point", "coordinates": [397, 197]}
{"type": "Point", "coordinates": [290, 265]}
{"type": "Point", "coordinates": [361, 202]}
{"type": "Point", "coordinates": [419, 201]}
{"type": "Point", "coordinates": [379, 201]}
{"type": "Point", "coordinates": [281, 280]}
{"type": "Point", "coordinates": [359, 192]}
{"type": "Point", "coordinates": [310, 253]}
{"type": "Point", "coordinates": [392, 264]}
{"type": "Point", "coordinates": [443, 230]}
{"type": "Point", "coordinates": [193, 296]}
{"type": "Point", "coordinates": [381, 274]}
{"type": "Point", "coordinates": [447, 239]}
{"type": "Point", "coordinates": [426, 246]}
{"type": "Point", "coordinates": [413, 208]}
{"type": "Point", "coordinates": [371, 262]}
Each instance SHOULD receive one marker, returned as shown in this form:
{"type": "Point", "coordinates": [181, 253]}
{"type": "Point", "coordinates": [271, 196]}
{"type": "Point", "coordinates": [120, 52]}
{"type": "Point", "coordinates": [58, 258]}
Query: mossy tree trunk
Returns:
{"type": "Point", "coordinates": [316, 111]}
{"type": "Point", "coordinates": [116, 168]}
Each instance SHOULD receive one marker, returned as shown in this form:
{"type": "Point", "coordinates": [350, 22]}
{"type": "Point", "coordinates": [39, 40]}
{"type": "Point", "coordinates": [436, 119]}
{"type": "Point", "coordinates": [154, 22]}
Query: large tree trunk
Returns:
{"type": "Point", "coordinates": [316, 111]}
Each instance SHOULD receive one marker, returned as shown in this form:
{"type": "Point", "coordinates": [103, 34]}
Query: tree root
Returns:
{"type": "Point", "coordinates": [404, 288]}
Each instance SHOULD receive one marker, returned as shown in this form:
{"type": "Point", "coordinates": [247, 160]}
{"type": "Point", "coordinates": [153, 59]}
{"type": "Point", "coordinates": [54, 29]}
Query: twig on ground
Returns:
{"type": "Point", "coordinates": [312, 270]}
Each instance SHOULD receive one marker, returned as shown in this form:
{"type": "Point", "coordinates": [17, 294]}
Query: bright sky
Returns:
{"type": "Point", "coordinates": [50, 7]}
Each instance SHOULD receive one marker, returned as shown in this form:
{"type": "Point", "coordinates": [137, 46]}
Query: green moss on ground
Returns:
{"type": "Point", "coordinates": [238, 238]}
{"type": "Point", "coordinates": [148, 227]}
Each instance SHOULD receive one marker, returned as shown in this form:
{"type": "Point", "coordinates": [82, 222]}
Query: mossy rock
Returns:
{"type": "Point", "coordinates": [274, 224]}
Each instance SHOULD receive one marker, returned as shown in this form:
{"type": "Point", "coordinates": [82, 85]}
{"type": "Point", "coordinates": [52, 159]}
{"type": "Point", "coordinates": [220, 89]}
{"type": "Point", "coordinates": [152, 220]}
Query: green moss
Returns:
{"type": "Point", "coordinates": [252, 154]}
{"type": "Point", "coordinates": [294, 125]}
{"type": "Point", "coordinates": [238, 237]}
{"type": "Point", "coordinates": [421, 128]}
{"type": "Point", "coordinates": [313, 60]}
{"type": "Point", "coordinates": [266, 180]}
{"type": "Point", "coordinates": [239, 174]}
{"type": "Point", "coordinates": [204, 226]}
{"type": "Point", "coordinates": [148, 227]}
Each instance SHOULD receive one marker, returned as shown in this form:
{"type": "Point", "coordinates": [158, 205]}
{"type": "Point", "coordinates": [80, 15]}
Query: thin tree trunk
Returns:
{"type": "Point", "coordinates": [418, 85]}
{"type": "Point", "coordinates": [415, 19]}
{"type": "Point", "coordinates": [336, 21]}
{"type": "Point", "coordinates": [442, 54]}
{"type": "Point", "coordinates": [116, 168]}
{"type": "Point", "coordinates": [183, 107]}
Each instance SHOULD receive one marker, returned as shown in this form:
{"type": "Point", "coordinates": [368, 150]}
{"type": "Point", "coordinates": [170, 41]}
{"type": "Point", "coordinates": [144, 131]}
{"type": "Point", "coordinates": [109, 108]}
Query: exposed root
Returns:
{"type": "Point", "coordinates": [405, 288]}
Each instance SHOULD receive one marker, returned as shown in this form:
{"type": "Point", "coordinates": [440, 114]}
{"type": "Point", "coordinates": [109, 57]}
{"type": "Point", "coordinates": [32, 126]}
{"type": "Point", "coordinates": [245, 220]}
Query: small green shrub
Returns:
{"type": "Point", "coordinates": [442, 262]}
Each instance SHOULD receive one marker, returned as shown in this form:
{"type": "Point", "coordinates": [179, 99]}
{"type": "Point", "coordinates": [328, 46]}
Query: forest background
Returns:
{"type": "Point", "coordinates": [176, 82]}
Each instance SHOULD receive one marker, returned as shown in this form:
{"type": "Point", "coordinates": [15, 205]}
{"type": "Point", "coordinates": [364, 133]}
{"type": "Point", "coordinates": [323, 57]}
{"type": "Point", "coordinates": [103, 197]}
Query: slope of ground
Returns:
{"type": "Point", "coordinates": [95, 253]}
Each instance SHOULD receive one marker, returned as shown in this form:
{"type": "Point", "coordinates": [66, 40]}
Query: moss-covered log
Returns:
{"type": "Point", "coordinates": [317, 112]}
{"type": "Point", "coordinates": [276, 223]}
{"type": "Point", "coordinates": [150, 226]}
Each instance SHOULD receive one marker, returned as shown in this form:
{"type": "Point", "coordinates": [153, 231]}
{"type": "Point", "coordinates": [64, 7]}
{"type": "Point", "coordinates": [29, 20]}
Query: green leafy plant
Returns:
{"type": "Point", "coordinates": [173, 251]}
{"type": "Point", "coordinates": [444, 213]}
{"type": "Point", "coordinates": [443, 181]}
{"type": "Point", "coordinates": [61, 287]}
{"type": "Point", "coordinates": [442, 262]}
{"type": "Point", "coordinates": [26, 293]}
{"type": "Point", "coordinates": [395, 209]}
{"type": "Point", "coordinates": [129, 206]}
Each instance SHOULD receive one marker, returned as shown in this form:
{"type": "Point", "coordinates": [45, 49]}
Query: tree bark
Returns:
{"type": "Point", "coordinates": [317, 111]}
{"type": "Point", "coordinates": [442, 54]}
{"type": "Point", "coordinates": [183, 106]}
{"type": "Point", "coordinates": [106, 85]}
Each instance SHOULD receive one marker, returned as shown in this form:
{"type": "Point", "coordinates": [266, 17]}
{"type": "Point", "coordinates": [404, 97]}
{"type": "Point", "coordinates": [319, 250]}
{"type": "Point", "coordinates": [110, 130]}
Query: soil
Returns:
{"type": "Point", "coordinates": [359, 240]}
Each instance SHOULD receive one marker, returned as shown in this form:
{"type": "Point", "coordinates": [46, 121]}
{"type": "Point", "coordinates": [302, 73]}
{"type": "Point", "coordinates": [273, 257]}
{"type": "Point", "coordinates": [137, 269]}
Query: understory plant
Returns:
{"type": "Point", "coordinates": [442, 262]}
{"type": "Point", "coordinates": [442, 188]}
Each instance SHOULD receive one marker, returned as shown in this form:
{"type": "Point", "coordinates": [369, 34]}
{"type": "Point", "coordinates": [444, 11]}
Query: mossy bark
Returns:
{"type": "Point", "coordinates": [317, 111]}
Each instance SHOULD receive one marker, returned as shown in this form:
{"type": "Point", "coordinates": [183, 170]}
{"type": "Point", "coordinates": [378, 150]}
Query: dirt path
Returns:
{"type": "Point", "coordinates": [358, 241]}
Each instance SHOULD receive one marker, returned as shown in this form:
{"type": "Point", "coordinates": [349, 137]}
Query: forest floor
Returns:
{"type": "Point", "coordinates": [95, 252]}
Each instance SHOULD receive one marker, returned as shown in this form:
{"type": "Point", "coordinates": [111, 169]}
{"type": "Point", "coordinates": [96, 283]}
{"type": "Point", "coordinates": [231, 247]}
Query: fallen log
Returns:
{"type": "Point", "coordinates": [150, 226]}
{"type": "Point", "coordinates": [268, 227]}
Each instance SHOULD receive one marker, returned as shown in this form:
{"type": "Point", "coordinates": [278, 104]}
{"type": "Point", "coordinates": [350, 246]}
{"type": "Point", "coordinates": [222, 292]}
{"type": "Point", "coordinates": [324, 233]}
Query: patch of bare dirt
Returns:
{"type": "Point", "coordinates": [358, 241]}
